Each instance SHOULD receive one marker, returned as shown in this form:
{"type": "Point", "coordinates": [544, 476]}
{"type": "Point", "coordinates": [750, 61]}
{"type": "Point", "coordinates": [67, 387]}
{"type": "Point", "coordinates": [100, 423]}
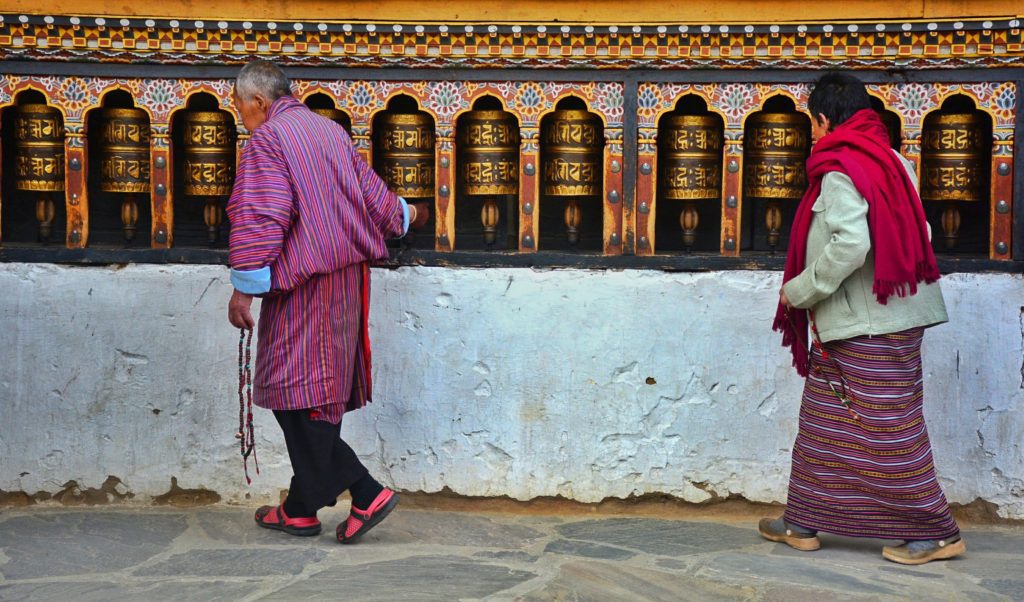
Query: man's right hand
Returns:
{"type": "Point", "coordinates": [422, 215]}
{"type": "Point", "coordinates": [239, 311]}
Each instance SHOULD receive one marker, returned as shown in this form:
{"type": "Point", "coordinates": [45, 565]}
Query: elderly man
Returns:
{"type": "Point", "coordinates": [307, 216]}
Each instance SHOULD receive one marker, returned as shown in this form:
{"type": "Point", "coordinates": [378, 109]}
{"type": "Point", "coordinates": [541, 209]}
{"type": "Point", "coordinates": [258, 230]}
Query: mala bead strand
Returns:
{"type": "Point", "coordinates": [251, 443]}
{"type": "Point", "coordinates": [246, 434]}
{"type": "Point", "coordinates": [847, 392]}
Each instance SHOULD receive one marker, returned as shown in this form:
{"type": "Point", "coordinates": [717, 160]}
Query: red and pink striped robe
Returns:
{"type": "Point", "coordinates": [307, 215]}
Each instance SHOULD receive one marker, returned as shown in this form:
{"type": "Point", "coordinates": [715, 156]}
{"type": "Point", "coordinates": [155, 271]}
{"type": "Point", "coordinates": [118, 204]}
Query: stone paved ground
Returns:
{"type": "Point", "coordinates": [419, 554]}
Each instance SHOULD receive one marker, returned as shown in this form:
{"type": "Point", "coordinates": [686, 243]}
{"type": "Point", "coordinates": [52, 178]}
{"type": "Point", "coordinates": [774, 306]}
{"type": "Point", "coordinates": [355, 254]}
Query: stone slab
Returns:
{"type": "Point", "coordinates": [50, 544]}
{"type": "Point", "coordinates": [414, 578]}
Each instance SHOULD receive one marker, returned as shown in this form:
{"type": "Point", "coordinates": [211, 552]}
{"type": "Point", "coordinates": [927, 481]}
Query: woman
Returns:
{"type": "Point", "coordinates": [860, 271]}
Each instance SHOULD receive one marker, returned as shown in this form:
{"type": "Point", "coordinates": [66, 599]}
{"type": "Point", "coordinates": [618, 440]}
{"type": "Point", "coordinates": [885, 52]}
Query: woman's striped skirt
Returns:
{"type": "Point", "coordinates": [869, 475]}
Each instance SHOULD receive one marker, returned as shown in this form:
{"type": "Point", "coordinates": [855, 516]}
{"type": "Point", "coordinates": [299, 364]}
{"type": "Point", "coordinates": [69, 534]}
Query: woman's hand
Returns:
{"type": "Point", "coordinates": [784, 300]}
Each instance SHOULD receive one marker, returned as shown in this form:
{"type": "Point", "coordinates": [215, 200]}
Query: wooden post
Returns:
{"type": "Point", "coordinates": [76, 186]}
{"type": "Point", "coordinates": [1001, 202]}
{"type": "Point", "coordinates": [732, 193]}
{"type": "Point", "coordinates": [161, 195]}
{"type": "Point", "coordinates": [614, 196]}
{"type": "Point", "coordinates": [529, 190]}
{"type": "Point", "coordinates": [646, 190]}
{"type": "Point", "coordinates": [444, 220]}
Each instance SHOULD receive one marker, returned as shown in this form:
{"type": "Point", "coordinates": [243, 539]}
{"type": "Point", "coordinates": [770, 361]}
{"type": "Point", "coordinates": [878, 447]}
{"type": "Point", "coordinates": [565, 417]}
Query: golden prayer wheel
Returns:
{"type": "Point", "coordinates": [488, 144]}
{"type": "Point", "coordinates": [209, 162]}
{"type": "Point", "coordinates": [573, 153]}
{"type": "Point", "coordinates": [954, 165]}
{"type": "Point", "coordinates": [403, 149]}
{"type": "Point", "coordinates": [776, 146]}
{"type": "Point", "coordinates": [39, 159]}
{"type": "Point", "coordinates": [124, 160]}
{"type": "Point", "coordinates": [337, 116]}
{"type": "Point", "coordinates": [690, 165]}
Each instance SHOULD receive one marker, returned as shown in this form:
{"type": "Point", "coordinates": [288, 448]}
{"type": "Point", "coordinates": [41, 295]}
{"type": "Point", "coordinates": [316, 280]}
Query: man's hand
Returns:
{"type": "Point", "coordinates": [239, 312]}
{"type": "Point", "coordinates": [420, 215]}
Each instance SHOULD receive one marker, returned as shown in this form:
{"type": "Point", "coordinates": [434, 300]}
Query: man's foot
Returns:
{"type": "Point", "coordinates": [920, 552]}
{"type": "Point", "coordinates": [361, 521]}
{"type": "Point", "coordinates": [793, 536]}
{"type": "Point", "coordinates": [273, 517]}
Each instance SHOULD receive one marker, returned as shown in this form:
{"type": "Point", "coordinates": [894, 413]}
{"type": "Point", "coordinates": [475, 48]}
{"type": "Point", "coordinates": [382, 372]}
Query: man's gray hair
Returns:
{"type": "Point", "coordinates": [262, 78]}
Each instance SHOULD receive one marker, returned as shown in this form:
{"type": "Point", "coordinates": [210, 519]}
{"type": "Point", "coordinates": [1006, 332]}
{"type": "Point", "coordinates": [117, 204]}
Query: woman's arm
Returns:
{"type": "Point", "coordinates": [846, 214]}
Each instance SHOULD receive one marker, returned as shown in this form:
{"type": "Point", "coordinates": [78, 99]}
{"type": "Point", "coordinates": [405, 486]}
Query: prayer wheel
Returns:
{"type": "Point", "coordinates": [209, 162]}
{"type": "Point", "coordinates": [954, 166]}
{"type": "Point", "coordinates": [39, 159]}
{"type": "Point", "coordinates": [776, 146]}
{"type": "Point", "coordinates": [488, 143]}
{"type": "Point", "coordinates": [573, 150]}
{"type": "Point", "coordinates": [337, 116]}
{"type": "Point", "coordinates": [124, 161]}
{"type": "Point", "coordinates": [404, 154]}
{"type": "Point", "coordinates": [690, 165]}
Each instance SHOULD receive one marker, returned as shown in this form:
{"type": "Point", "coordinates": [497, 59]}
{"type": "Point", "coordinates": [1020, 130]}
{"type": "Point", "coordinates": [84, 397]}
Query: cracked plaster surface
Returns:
{"type": "Point", "coordinates": [488, 382]}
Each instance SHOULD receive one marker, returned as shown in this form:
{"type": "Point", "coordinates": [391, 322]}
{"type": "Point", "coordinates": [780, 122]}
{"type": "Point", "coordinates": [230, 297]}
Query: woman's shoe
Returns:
{"type": "Point", "coordinates": [776, 529]}
{"type": "Point", "coordinates": [920, 552]}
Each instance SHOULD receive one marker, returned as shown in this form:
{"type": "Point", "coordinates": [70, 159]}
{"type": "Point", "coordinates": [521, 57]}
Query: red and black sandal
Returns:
{"type": "Point", "coordinates": [273, 517]}
{"type": "Point", "coordinates": [361, 521]}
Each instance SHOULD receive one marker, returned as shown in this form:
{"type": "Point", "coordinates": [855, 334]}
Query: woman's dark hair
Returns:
{"type": "Point", "coordinates": [838, 96]}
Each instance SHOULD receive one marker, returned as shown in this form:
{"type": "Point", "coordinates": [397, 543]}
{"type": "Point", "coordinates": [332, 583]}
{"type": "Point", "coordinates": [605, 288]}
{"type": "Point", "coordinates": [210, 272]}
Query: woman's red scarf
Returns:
{"type": "Point", "coordinates": [859, 148]}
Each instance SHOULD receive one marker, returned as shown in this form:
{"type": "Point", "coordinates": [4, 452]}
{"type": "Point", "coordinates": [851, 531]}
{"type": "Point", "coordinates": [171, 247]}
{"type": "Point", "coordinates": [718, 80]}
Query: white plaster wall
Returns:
{"type": "Point", "coordinates": [496, 382]}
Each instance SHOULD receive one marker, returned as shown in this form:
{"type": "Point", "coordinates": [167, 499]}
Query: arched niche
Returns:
{"type": "Point", "coordinates": [776, 143]}
{"type": "Point", "coordinates": [892, 121]}
{"type": "Point", "coordinates": [688, 212]}
{"type": "Point", "coordinates": [204, 139]}
{"type": "Point", "coordinates": [955, 175]}
{"type": "Point", "coordinates": [571, 177]}
{"type": "Point", "coordinates": [119, 136]}
{"type": "Point", "coordinates": [486, 178]}
{"type": "Point", "coordinates": [405, 156]}
{"type": "Point", "coordinates": [324, 105]}
{"type": "Point", "coordinates": [33, 209]}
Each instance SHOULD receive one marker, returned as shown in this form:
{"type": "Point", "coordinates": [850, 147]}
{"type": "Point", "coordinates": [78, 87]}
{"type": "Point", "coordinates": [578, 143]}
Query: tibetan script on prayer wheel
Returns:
{"type": "Point", "coordinates": [337, 116]}
{"type": "Point", "coordinates": [776, 146]}
{"type": "Point", "coordinates": [404, 154]}
{"type": "Point", "coordinates": [690, 157]}
{"type": "Point", "coordinates": [209, 153]}
{"type": "Point", "coordinates": [39, 149]}
{"type": "Point", "coordinates": [954, 149]}
{"type": "Point", "coordinates": [573, 152]}
{"type": "Point", "coordinates": [488, 143]}
{"type": "Point", "coordinates": [124, 151]}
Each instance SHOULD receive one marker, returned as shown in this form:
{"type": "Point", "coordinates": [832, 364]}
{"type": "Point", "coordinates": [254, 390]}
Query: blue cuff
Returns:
{"type": "Point", "coordinates": [405, 216]}
{"type": "Point", "coordinates": [251, 282]}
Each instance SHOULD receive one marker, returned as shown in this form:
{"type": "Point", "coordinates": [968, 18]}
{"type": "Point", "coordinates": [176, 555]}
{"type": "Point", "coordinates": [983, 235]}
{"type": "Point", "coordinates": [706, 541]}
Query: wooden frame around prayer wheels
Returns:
{"type": "Point", "coordinates": [39, 159]}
